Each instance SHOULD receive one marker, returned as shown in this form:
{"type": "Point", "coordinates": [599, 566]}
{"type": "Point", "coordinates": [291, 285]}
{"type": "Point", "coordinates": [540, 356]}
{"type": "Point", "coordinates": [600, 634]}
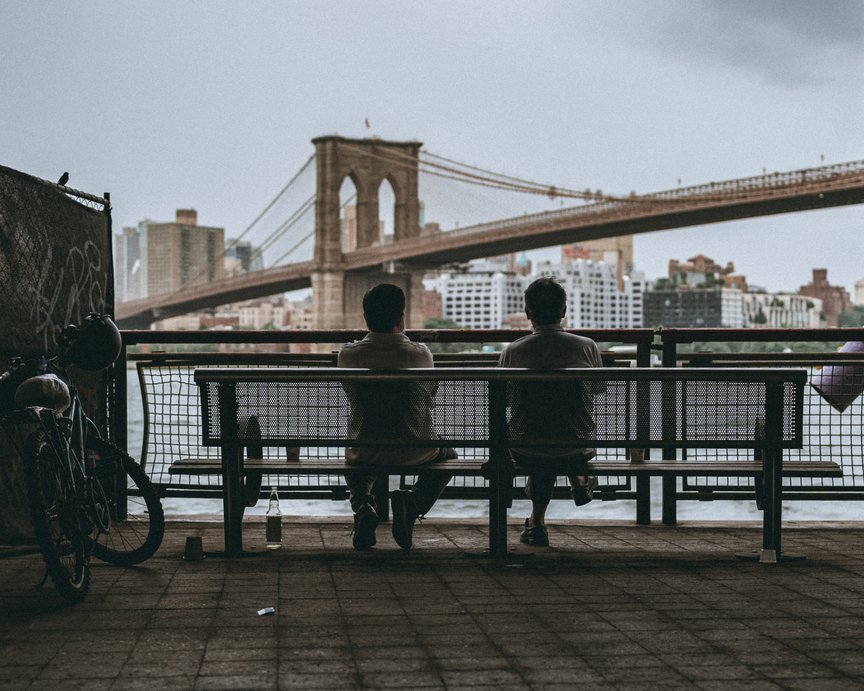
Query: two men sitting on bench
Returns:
{"type": "Point", "coordinates": [403, 410]}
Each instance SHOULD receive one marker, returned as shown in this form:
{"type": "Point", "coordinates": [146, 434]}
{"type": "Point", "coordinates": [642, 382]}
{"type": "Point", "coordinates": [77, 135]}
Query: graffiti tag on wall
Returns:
{"type": "Point", "coordinates": [69, 289]}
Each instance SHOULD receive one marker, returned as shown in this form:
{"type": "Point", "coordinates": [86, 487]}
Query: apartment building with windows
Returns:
{"type": "Point", "coordinates": [710, 308]}
{"type": "Point", "coordinates": [480, 299]}
{"type": "Point", "coordinates": [598, 296]}
{"type": "Point", "coordinates": [157, 258]}
{"type": "Point", "coordinates": [486, 296]}
{"type": "Point", "coordinates": [781, 311]}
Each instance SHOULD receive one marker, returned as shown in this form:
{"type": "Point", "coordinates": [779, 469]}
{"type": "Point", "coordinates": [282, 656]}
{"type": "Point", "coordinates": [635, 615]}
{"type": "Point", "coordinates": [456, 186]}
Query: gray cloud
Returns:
{"type": "Point", "coordinates": [789, 42]}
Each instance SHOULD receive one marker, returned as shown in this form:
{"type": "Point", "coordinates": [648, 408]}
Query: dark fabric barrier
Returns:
{"type": "Point", "coordinates": [55, 268]}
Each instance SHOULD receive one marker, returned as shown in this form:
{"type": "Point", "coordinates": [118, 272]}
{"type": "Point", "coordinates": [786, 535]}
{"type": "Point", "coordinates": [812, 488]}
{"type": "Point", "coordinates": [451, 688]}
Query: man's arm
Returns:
{"type": "Point", "coordinates": [599, 386]}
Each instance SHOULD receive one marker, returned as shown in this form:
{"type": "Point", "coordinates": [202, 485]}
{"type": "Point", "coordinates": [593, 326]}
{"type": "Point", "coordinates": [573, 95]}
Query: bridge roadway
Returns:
{"type": "Point", "coordinates": [813, 188]}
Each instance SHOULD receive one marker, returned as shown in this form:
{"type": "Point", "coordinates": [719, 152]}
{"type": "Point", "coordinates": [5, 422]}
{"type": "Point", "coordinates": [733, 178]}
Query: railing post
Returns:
{"type": "Point", "coordinates": [118, 427]}
{"type": "Point", "coordinates": [643, 407]}
{"type": "Point", "coordinates": [500, 477]}
{"type": "Point", "coordinates": [643, 431]}
{"type": "Point", "coordinates": [670, 482]}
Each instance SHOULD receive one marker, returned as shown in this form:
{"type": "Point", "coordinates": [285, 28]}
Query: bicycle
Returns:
{"type": "Point", "coordinates": [79, 485]}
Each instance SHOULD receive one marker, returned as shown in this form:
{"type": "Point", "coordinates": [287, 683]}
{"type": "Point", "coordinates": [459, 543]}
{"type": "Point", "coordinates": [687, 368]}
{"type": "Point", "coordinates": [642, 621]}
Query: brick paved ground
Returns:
{"type": "Point", "coordinates": [614, 606]}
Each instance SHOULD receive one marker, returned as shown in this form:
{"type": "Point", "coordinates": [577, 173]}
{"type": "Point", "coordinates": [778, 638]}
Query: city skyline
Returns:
{"type": "Point", "coordinates": [176, 106]}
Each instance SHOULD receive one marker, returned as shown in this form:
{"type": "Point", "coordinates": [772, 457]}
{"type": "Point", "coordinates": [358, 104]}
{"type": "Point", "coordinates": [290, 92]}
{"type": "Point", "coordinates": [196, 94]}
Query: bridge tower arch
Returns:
{"type": "Point", "coordinates": [337, 295]}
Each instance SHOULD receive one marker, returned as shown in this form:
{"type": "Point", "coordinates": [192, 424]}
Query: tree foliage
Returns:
{"type": "Point", "coordinates": [442, 323]}
{"type": "Point", "coordinates": [853, 318]}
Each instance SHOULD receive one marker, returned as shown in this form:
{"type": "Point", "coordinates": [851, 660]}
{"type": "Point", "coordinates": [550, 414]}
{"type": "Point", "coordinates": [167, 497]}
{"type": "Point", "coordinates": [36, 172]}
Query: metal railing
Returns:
{"type": "Point", "coordinates": [829, 434]}
{"type": "Point", "coordinates": [171, 408]}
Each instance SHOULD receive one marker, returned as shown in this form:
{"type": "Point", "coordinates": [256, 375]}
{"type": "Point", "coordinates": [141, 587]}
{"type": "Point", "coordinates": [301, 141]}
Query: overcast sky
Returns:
{"type": "Point", "coordinates": [212, 105]}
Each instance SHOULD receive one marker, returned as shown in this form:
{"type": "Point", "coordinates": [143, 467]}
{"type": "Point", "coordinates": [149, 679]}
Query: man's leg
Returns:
{"type": "Point", "coordinates": [360, 483]}
{"type": "Point", "coordinates": [582, 488]}
{"type": "Point", "coordinates": [538, 488]}
{"type": "Point", "coordinates": [409, 505]}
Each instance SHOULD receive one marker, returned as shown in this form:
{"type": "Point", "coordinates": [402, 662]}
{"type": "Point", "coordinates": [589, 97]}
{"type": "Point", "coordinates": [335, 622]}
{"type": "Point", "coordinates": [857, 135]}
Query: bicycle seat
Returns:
{"type": "Point", "coordinates": [45, 391]}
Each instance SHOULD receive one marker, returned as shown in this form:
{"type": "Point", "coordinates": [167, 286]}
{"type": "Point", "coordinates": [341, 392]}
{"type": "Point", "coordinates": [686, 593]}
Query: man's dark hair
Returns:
{"type": "Point", "coordinates": [383, 307]}
{"type": "Point", "coordinates": [545, 299]}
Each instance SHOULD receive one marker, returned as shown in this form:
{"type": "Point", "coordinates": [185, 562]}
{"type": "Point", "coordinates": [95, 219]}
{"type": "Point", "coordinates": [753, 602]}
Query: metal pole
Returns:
{"type": "Point", "coordinates": [233, 501]}
{"type": "Point", "coordinates": [670, 482]}
{"type": "Point", "coordinates": [772, 462]}
{"type": "Point", "coordinates": [500, 479]}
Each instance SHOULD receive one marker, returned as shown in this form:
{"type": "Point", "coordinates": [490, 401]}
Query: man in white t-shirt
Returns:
{"type": "Point", "coordinates": [550, 410]}
{"type": "Point", "coordinates": [400, 410]}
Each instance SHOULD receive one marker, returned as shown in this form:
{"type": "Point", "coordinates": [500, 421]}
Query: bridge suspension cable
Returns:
{"type": "Point", "coordinates": [277, 197]}
{"type": "Point", "coordinates": [285, 226]}
{"type": "Point", "coordinates": [461, 172]}
{"type": "Point", "coordinates": [271, 238]}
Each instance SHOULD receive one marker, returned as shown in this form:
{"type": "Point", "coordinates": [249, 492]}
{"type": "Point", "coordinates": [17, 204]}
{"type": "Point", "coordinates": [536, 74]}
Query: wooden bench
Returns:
{"type": "Point", "coordinates": [758, 413]}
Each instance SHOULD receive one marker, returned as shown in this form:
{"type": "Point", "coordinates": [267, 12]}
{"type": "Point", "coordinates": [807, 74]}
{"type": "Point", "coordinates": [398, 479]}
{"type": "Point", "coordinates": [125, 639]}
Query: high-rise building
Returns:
{"type": "Point", "coordinates": [486, 296]}
{"type": "Point", "coordinates": [480, 298]}
{"type": "Point", "coordinates": [617, 250]}
{"type": "Point", "coordinates": [701, 271]}
{"type": "Point", "coordinates": [712, 308]}
{"type": "Point", "coordinates": [348, 226]}
{"type": "Point", "coordinates": [597, 298]}
{"type": "Point", "coordinates": [170, 256]}
{"type": "Point", "coordinates": [251, 258]}
{"type": "Point", "coordinates": [127, 265]}
{"type": "Point", "coordinates": [835, 299]}
{"type": "Point", "coordinates": [859, 292]}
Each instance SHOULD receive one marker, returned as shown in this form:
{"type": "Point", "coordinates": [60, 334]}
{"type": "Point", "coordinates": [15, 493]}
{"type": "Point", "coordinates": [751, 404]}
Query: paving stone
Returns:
{"type": "Point", "coordinates": [612, 605]}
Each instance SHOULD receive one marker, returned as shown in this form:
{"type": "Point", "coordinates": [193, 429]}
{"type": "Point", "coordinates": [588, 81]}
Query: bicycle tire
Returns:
{"type": "Point", "coordinates": [136, 536]}
{"type": "Point", "coordinates": [58, 519]}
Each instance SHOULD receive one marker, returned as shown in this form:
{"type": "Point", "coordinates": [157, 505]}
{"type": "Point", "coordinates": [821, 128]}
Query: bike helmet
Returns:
{"type": "Point", "coordinates": [92, 346]}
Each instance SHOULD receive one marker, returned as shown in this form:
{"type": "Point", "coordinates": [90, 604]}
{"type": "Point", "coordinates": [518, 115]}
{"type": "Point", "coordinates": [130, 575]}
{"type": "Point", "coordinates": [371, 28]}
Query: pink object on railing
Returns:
{"type": "Point", "coordinates": [840, 385]}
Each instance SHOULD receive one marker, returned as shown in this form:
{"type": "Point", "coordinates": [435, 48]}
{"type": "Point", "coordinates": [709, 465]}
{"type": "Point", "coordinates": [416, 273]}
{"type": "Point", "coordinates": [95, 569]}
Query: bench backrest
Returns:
{"type": "Point", "coordinates": [470, 407]}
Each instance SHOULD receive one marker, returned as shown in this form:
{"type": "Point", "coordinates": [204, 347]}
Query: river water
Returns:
{"type": "Point", "coordinates": [722, 510]}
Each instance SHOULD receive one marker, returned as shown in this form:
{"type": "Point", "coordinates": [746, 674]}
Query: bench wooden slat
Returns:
{"type": "Point", "coordinates": [337, 466]}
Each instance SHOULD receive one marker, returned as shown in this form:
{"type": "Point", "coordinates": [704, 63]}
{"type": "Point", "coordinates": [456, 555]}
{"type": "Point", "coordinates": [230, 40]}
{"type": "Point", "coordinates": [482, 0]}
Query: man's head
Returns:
{"type": "Point", "coordinates": [545, 301]}
{"type": "Point", "coordinates": [384, 308]}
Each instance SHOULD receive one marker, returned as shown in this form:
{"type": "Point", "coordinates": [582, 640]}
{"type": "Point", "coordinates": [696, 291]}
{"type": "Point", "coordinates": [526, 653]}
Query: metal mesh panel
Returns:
{"type": "Point", "coordinates": [174, 427]}
{"type": "Point", "coordinates": [827, 434]}
{"type": "Point", "coordinates": [330, 412]}
{"type": "Point", "coordinates": [173, 423]}
{"type": "Point", "coordinates": [656, 413]}
{"type": "Point", "coordinates": [628, 412]}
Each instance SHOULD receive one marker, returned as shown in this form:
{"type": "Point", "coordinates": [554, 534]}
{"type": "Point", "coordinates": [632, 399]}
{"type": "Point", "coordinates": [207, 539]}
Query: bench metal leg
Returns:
{"type": "Point", "coordinates": [381, 493]}
{"type": "Point", "coordinates": [772, 508]}
{"type": "Point", "coordinates": [643, 500]}
{"type": "Point", "coordinates": [670, 500]}
{"type": "Point", "coordinates": [233, 500]}
{"type": "Point", "coordinates": [498, 515]}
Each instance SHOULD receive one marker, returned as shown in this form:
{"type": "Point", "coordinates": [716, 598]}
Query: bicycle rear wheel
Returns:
{"type": "Point", "coordinates": [59, 520]}
{"type": "Point", "coordinates": [137, 521]}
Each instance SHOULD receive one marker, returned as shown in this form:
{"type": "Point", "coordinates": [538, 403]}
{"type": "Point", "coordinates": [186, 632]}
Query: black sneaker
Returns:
{"type": "Point", "coordinates": [404, 515]}
{"type": "Point", "coordinates": [365, 522]}
{"type": "Point", "coordinates": [536, 536]}
{"type": "Point", "coordinates": [583, 494]}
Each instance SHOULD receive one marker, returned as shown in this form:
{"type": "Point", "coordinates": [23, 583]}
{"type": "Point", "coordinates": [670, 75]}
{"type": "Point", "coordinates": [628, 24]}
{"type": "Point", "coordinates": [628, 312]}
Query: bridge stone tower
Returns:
{"type": "Point", "coordinates": [337, 295]}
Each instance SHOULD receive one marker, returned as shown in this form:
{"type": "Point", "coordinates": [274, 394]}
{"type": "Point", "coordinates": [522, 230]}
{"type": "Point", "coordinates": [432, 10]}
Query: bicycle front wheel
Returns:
{"type": "Point", "coordinates": [137, 521]}
{"type": "Point", "coordinates": [59, 520]}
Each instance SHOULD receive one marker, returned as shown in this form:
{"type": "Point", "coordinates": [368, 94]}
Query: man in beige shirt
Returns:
{"type": "Point", "coordinates": [398, 410]}
{"type": "Point", "coordinates": [550, 410]}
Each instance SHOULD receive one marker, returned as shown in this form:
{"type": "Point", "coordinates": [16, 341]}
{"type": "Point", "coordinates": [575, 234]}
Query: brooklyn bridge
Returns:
{"type": "Point", "coordinates": [339, 273]}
